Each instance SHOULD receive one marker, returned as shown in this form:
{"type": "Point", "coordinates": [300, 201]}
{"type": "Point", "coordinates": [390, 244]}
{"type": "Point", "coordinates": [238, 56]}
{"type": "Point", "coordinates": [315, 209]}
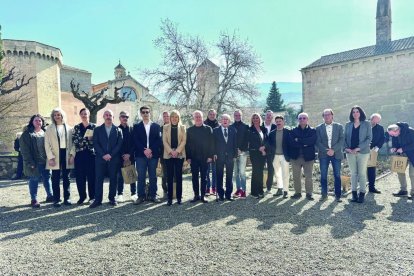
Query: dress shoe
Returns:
{"type": "Point", "coordinates": [50, 199]}
{"type": "Point", "coordinates": [202, 199]}
{"type": "Point", "coordinates": [410, 197]}
{"type": "Point", "coordinates": [338, 199]}
{"type": "Point", "coordinates": [221, 198]}
{"type": "Point", "coordinates": [229, 199]}
{"type": "Point", "coordinates": [169, 202]}
{"type": "Point", "coordinates": [261, 195]}
{"type": "Point", "coordinates": [323, 198]}
{"type": "Point", "coordinates": [179, 202]}
{"type": "Point", "coordinates": [56, 204]}
{"type": "Point", "coordinates": [195, 199]}
{"type": "Point", "coordinates": [285, 194]}
{"type": "Point", "coordinates": [80, 201]}
{"type": "Point", "coordinates": [279, 192]}
{"type": "Point", "coordinates": [139, 200]}
{"type": "Point", "coordinates": [296, 196]}
{"type": "Point", "coordinates": [400, 194]}
{"type": "Point", "coordinates": [155, 200]}
{"type": "Point", "coordinates": [35, 204]}
{"type": "Point", "coordinates": [374, 191]}
{"type": "Point", "coordinates": [95, 204]}
{"type": "Point", "coordinates": [309, 197]}
{"type": "Point", "coordinates": [113, 203]}
{"type": "Point", "coordinates": [67, 202]}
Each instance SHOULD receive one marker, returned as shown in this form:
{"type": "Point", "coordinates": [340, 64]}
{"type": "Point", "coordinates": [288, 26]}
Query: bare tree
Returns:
{"type": "Point", "coordinates": [177, 73]}
{"type": "Point", "coordinates": [182, 56]}
{"type": "Point", "coordinates": [240, 65]}
{"type": "Point", "coordinates": [97, 101]}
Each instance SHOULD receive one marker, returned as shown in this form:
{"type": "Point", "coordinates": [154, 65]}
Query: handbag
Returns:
{"type": "Point", "coordinates": [129, 173]}
{"type": "Point", "coordinates": [399, 163]}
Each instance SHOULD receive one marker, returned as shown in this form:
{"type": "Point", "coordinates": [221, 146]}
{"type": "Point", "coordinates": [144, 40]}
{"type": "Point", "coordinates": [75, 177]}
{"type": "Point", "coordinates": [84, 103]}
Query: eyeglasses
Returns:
{"type": "Point", "coordinates": [124, 117]}
{"type": "Point", "coordinates": [302, 118]}
{"type": "Point", "coordinates": [145, 112]}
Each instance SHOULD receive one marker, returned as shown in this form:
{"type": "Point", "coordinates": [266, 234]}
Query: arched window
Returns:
{"type": "Point", "coordinates": [129, 93]}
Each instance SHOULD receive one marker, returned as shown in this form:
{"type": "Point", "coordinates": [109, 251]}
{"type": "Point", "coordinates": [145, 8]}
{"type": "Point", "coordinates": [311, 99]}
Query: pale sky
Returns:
{"type": "Point", "coordinates": [287, 35]}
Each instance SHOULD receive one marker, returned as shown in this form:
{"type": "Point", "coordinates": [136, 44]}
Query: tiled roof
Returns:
{"type": "Point", "coordinates": [370, 51]}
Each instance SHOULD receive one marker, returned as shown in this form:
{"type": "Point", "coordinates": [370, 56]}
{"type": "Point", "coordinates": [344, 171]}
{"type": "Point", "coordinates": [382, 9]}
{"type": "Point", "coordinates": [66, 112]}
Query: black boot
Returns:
{"type": "Point", "coordinates": [361, 197]}
{"type": "Point", "coordinates": [354, 196]}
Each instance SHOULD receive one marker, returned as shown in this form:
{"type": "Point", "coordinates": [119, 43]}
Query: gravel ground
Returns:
{"type": "Point", "coordinates": [246, 237]}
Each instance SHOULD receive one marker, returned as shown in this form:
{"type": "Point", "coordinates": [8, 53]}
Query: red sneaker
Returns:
{"type": "Point", "coordinates": [207, 191]}
{"type": "Point", "coordinates": [213, 191]}
{"type": "Point", "coordinates": [237, 193]}
{"type": "Point", "coordinates": [242, 194]}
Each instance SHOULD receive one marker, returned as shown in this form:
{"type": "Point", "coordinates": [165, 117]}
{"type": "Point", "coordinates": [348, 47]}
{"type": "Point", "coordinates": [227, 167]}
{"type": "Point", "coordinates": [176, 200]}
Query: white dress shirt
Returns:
{"type": "Point", "coordinates": [329, 133]}
{"type": "Point", "coordinates": [147, 130]}
{"type": "Point", "coordinates": [222, 129]}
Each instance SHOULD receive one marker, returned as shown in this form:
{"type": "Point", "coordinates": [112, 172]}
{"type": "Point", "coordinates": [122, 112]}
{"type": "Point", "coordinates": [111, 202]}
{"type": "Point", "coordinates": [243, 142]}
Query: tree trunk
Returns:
{"type": "Point", "coordinates": [93, 116]}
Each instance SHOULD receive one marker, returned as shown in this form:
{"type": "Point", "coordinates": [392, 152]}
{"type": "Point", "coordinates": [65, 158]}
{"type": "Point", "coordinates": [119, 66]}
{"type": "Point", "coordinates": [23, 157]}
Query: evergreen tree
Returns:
{"type": "Point", "coordinates": [274, 100]}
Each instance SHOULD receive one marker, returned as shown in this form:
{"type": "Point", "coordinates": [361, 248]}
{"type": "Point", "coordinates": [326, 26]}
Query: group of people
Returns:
{"type": "Point", "coordinates": [210, 146]}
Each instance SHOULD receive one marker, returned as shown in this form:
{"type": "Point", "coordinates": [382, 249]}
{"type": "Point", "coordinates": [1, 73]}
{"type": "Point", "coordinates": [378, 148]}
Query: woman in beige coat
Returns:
{"type": "Point", "coordinates": [60, 154]}
{"type": "Point", "coordinates": [174, 138]}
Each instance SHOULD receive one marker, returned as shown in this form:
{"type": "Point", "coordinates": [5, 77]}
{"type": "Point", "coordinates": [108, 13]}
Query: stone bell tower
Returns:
{"type": "Point", "coordinates": [383, 22]}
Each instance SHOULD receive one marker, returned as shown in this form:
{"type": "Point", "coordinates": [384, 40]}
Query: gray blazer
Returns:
{"type": "Point", "coordinates": [365, 136]}
{"type": "Point", "coordinates": [337, 142]}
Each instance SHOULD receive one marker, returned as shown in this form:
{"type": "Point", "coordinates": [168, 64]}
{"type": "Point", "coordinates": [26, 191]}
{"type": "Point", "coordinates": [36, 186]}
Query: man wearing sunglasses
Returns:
{"type": "Point", "coordinates": [147, 142]}
{"type": "Point", "coordinates": [127, 156]}
{"type": "Point", "coordinates": [302, 150]}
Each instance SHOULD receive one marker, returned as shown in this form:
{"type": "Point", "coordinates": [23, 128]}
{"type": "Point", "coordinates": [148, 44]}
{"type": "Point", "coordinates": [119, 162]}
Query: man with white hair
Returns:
{"type": "Point", "coordinates": [199, 154]}
{"type": "Point", "coordinates": [378, 137]}
{"type": "Point", "coordinates": [403, 143]}
{"type": "Point", "coordinates": [225, 151]}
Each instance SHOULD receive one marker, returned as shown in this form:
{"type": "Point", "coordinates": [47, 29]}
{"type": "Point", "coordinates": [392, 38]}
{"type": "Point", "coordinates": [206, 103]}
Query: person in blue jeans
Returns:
{"type": "Point", "coordinates": [32, 147]}
{"type": "Point", "coordinates": [147, 141]}
{"type": "Point", "coordinates": [329, 143]}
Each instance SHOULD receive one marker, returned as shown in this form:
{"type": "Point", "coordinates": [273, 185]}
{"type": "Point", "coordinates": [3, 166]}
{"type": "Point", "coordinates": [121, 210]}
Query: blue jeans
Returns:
{"type": "Point", "coordinates": [34, 182]}
{"type": "Point", "coordinates": [240, 171]}
{"type": "Point", "coordinates": [143, 164]}
{"type": "Point", "coordinates": [336, 166]}
{"type": "Point", "coordinates": [211, 183]}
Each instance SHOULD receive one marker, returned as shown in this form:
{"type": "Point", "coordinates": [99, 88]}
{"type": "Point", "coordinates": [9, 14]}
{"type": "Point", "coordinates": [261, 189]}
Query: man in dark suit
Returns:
{"type": "Point", "coordinates": [199, 153]}
{"type": "Point", "coordinates": [270, 126]}
{"type": "Point", "coordinates": [107, 143]}
{"type": "Point", "coordinates": [147, 141]}
{"type": "Point", "coordinates": [330, 143]}
{"type": "Point", "coordinates": [225, 150]}
{"type": "Point", "coordinates": [302, 155]}
{"type": "Point", "coordinates": [378, 139]}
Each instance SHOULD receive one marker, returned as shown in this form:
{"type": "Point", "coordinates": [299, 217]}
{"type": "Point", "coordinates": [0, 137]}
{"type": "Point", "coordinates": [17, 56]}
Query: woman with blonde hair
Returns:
{"type": "Point", "coordinates": [60, 154]}
{"type": "Point", "coordinates": [257, 137]}
{"type": "Point", "coordinates": [174, 139]}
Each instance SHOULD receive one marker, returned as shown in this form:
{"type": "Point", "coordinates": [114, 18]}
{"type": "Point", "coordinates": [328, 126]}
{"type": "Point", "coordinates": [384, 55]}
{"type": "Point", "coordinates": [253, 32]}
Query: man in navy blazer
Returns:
{"type": "Point", "coordinates": [225, 150]}
{"type": "Point", "coordinates": [107, 142]}
{"type": "Point", "coordinates": [147, 141]}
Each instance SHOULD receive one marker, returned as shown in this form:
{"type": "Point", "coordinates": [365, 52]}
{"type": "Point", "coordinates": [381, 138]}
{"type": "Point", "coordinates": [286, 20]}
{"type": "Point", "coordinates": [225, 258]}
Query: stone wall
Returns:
{"type": "Point", "coordinates": [383, 84]}
{"type": "Point", "coordinates": [8, 166]}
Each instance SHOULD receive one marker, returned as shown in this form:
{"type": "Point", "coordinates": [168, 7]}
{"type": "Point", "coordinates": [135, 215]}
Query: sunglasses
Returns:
{"type": "Point", "coordinates": [124, 116]}
{"type": "Point", "coordinates": [302, 118]}
{"type": "Point", "coordinates": [145, 112]}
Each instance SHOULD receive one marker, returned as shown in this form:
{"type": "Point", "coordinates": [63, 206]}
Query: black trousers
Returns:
{"type": "Point", "coordinates": [199, 171]}
{"type": "Point", "coordinates": [227, 162]}
{"type": "Point", "coordinates": [270, 171]}
{"type": "Point", "coordinates": [258, 161]}
{"type": "Point", "coordinates": [164, 178]}
{"type": "Point", "coordinates": [371, 174]}
{"type": "Point", "coordinates": [85, 170]}
{"type": "Point", "coordinates": [174, 168]}
{"type": "Point", "coordinates": [65, 178]}
{"type": "Point", "coordinates": [111, 169]}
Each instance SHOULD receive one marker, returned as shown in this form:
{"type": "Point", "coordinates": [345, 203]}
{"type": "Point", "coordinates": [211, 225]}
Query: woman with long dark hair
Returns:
{"type": "Point", "coordinates": [257, 137]}
{"type": "Point", "coordinates": [60, 154]}
{"type": "Point", "coordinates": [32, 147]}
{"type": "Point", "coordinates": [85, 156]}
{"type": "Point", "coordinates": [358, 136]}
